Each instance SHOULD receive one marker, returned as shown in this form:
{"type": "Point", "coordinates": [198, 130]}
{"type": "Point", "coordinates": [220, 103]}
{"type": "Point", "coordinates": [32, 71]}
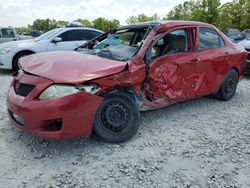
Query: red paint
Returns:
{"type": "Point", "coordinates": [70, 67]}
{"type": "Point", "coordinates": [71, 109]}
{"type": "Point", "coordinates": [171, 78]}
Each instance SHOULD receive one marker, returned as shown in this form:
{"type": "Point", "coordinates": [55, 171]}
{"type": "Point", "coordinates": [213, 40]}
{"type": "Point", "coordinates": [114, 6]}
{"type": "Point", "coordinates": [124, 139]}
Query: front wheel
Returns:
{"type": "Point", "coordinates": [118, 118]}
{"type": "Point", "coordinates": [228, 86]}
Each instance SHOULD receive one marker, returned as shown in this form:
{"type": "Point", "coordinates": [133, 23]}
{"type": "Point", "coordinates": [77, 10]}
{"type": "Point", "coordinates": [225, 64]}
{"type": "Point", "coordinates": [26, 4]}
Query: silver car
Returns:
{"type": "Point", "coordinates": [8, 34]}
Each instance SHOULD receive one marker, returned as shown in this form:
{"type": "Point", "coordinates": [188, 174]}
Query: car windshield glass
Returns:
{"type": "Point", "coordinates": [49, 34]}
{"type": "Point", "coordinates": [121, 45]}
{"type": "Point", "coordinates": [234, 33]}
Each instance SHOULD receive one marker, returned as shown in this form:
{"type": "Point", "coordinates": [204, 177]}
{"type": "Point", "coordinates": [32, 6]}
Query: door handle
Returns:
{"type": "Point", "coordinates": [226, 53]}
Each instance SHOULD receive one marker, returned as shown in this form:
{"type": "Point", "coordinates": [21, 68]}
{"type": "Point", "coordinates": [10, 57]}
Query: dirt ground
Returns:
{"type": "Point", "coordinates": [199, 143]}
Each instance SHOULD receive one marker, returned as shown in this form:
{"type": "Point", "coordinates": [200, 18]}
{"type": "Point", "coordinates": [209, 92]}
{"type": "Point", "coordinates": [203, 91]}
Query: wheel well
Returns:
{"type": "Point", "coordinates": [129, 91]}
{"type": "Point", "coordinates": [18, 53]}
{"type": "Point", "coordinates": [237, 70]}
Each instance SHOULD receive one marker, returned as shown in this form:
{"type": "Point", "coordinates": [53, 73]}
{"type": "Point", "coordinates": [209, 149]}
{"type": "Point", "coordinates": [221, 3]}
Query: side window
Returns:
{"type": "Point", "coordinates": [88, 34]}
{"type": "Point", "coordinates": [174, 42]}
{"type": "Point", "coordinates": [7, 33]}
{"type": "Point", "coordinates": [71, 35]}
{"type": "Point", "coordinates": [95, 34]}
{"type": "Point", "coordinates": [209, 38]}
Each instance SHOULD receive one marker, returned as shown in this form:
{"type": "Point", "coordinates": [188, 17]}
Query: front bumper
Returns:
{"type": "Point", "coordinates": [76, 112]}
{"type": "Point", "coordinates": [5, 61]}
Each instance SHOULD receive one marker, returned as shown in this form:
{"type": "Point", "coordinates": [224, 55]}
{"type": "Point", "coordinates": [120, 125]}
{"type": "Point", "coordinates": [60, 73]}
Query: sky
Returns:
{"type": "Point", "coordinates": [18, 13]}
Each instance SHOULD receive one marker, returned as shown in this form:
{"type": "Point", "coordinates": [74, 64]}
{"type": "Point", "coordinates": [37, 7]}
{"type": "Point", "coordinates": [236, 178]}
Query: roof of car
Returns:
{"type": "Point", "coordinates": [169, 23]}
{"type": "Point", "coordinates": [83, 28]}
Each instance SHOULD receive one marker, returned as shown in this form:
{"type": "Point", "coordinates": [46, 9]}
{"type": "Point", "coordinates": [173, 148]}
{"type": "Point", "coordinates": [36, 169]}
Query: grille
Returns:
{"type": "Point", "coordinates": [23, 89]}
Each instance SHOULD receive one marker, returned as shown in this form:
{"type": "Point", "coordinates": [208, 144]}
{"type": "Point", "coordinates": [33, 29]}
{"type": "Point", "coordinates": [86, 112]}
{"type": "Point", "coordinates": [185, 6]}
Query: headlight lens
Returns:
{"type": "Point", "coordinates": [58, 91]}
{"type": "Point", "coordinates": [7, 49]}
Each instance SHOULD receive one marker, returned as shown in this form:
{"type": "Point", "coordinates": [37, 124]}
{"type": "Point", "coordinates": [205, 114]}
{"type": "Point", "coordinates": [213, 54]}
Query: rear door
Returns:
{"type": "Point", "coordinates": [213, 56]}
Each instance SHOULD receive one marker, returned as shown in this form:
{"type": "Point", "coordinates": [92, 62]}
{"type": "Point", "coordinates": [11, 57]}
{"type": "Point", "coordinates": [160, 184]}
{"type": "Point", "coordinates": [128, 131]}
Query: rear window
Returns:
{"type": "Point", "coordinates": [7, 33]}
{"type": "Point", "coordinates": [209, 38]}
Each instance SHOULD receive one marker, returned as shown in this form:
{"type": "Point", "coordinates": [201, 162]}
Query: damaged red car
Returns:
{"type": "Point", "coordinates": [103, 85]}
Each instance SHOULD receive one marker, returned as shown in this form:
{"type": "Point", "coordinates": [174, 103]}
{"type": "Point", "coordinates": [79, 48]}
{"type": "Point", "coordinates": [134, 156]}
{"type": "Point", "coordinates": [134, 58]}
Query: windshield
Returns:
{"type": "Point", "coordinates": [49, 34]}
{"type": "Point", "coordinates": [121, 45]}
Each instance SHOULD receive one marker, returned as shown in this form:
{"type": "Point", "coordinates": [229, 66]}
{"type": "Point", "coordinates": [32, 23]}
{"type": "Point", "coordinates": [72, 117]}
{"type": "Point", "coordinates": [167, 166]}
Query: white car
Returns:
{"type": "Point", "coordinates": [8, 34]}
{"type": "Point", "coordinates": [60, 39]}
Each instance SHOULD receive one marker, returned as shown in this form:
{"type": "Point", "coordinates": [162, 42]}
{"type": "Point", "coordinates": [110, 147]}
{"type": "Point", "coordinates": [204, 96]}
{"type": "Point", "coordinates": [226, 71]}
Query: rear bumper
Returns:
{"type": "Point", "coordinates": [75, 113]}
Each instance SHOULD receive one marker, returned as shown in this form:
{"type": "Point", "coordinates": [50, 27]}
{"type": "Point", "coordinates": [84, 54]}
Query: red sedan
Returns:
{"type": "Point", "coordinates": [103, 85]}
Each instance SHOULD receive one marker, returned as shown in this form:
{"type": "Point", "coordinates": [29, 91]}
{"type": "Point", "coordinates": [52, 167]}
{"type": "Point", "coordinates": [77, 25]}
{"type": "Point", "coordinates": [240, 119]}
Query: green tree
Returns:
{"type": "Point", "coordinates": [232, 14]}
{"type": "Point", "coordinates": [24, 30]}
{"type": "Point", "coordinates": [85, 22]}
{"type": "Point", "coordinates": [142, 18]}
{"type": "Point", "coordinates": [44, 24]}
{"type": "Point", "coordinates": [200, 10]}
{"type": "Point", "coordinates": [61, 23]}
{"type": "Point", "coordinates": [105, 24]}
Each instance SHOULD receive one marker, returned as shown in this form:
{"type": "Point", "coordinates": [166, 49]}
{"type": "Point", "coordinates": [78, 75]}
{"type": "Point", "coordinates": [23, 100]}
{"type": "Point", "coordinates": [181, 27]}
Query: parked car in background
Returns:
{"type": "Point", "coordinates": [32, 34]}
{"type": "Point", "coordinates": [235, 35]}
{"type": "Point", "coordinates": [246, 44]}
{"type": "Point", "coordinates": [8, 34]}
{"type": "Point", "coordinates": [102, 88]}
{"type": "Point", "coordinates": [246, 32]}
{"type": "Point", "coordinates": [59, 39]}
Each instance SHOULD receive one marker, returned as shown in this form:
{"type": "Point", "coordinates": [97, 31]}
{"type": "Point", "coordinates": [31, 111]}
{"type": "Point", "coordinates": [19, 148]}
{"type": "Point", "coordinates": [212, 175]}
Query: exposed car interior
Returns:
{"type": "Point", "coordinates": [173, 42]}
{"type": "Point", "coordinates": [121, 45]}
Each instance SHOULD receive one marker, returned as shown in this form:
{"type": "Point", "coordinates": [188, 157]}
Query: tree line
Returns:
{"type": "Point", "coordinates": [232, 14]}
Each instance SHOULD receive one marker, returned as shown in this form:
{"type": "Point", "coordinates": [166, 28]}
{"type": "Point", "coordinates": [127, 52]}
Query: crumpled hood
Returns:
{"type": "Point", "coordinates": [70, 67]}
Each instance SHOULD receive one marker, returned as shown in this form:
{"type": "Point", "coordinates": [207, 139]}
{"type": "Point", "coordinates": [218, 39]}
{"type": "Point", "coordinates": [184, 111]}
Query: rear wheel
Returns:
{"type": "Point", "coordinates": [15, 65]}
{"type": "Point", "coordinates": [117, 119]}
{"type": "Point", "coordinates": [228, 86]}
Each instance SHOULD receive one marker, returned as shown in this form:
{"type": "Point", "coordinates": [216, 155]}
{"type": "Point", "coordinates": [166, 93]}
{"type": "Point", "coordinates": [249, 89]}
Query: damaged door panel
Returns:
{"type": "Point", "coordinates": [174, 71]}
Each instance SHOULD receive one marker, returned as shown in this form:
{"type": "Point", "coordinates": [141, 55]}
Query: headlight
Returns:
{"type": "Point", "coordinates": [57, 91]}
{"type": "Point", "coordinates": [7, 49]}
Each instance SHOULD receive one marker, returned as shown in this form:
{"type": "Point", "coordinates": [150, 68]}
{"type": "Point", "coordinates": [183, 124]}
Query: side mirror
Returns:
{"type": "Point", "coordinates": [57, 39]}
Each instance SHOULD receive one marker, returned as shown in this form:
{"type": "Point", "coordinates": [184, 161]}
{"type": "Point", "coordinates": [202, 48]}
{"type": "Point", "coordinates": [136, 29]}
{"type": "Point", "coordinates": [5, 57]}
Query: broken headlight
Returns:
{"type": "Point", "coordinates": [58, 91]}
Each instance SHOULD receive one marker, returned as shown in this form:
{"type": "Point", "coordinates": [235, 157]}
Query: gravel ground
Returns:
{"type": "Point", "coordinates": [199, 143]}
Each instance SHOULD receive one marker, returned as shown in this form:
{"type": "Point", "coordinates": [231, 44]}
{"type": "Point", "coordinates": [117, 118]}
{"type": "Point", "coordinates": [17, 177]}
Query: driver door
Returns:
{"type": "Point", "coordinates": [70, 40]}
{"type": "Point", "coordinates": [174, 70]}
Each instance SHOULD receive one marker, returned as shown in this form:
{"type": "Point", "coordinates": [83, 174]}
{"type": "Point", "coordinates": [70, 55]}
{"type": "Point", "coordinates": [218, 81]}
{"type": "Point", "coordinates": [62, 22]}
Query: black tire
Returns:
{"type": "Point", "coordinates": [229, 86]}
{"type": "Point", "coordinates": [15, 65]}
{"type": "Point", "coordinates": [117, 119]}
